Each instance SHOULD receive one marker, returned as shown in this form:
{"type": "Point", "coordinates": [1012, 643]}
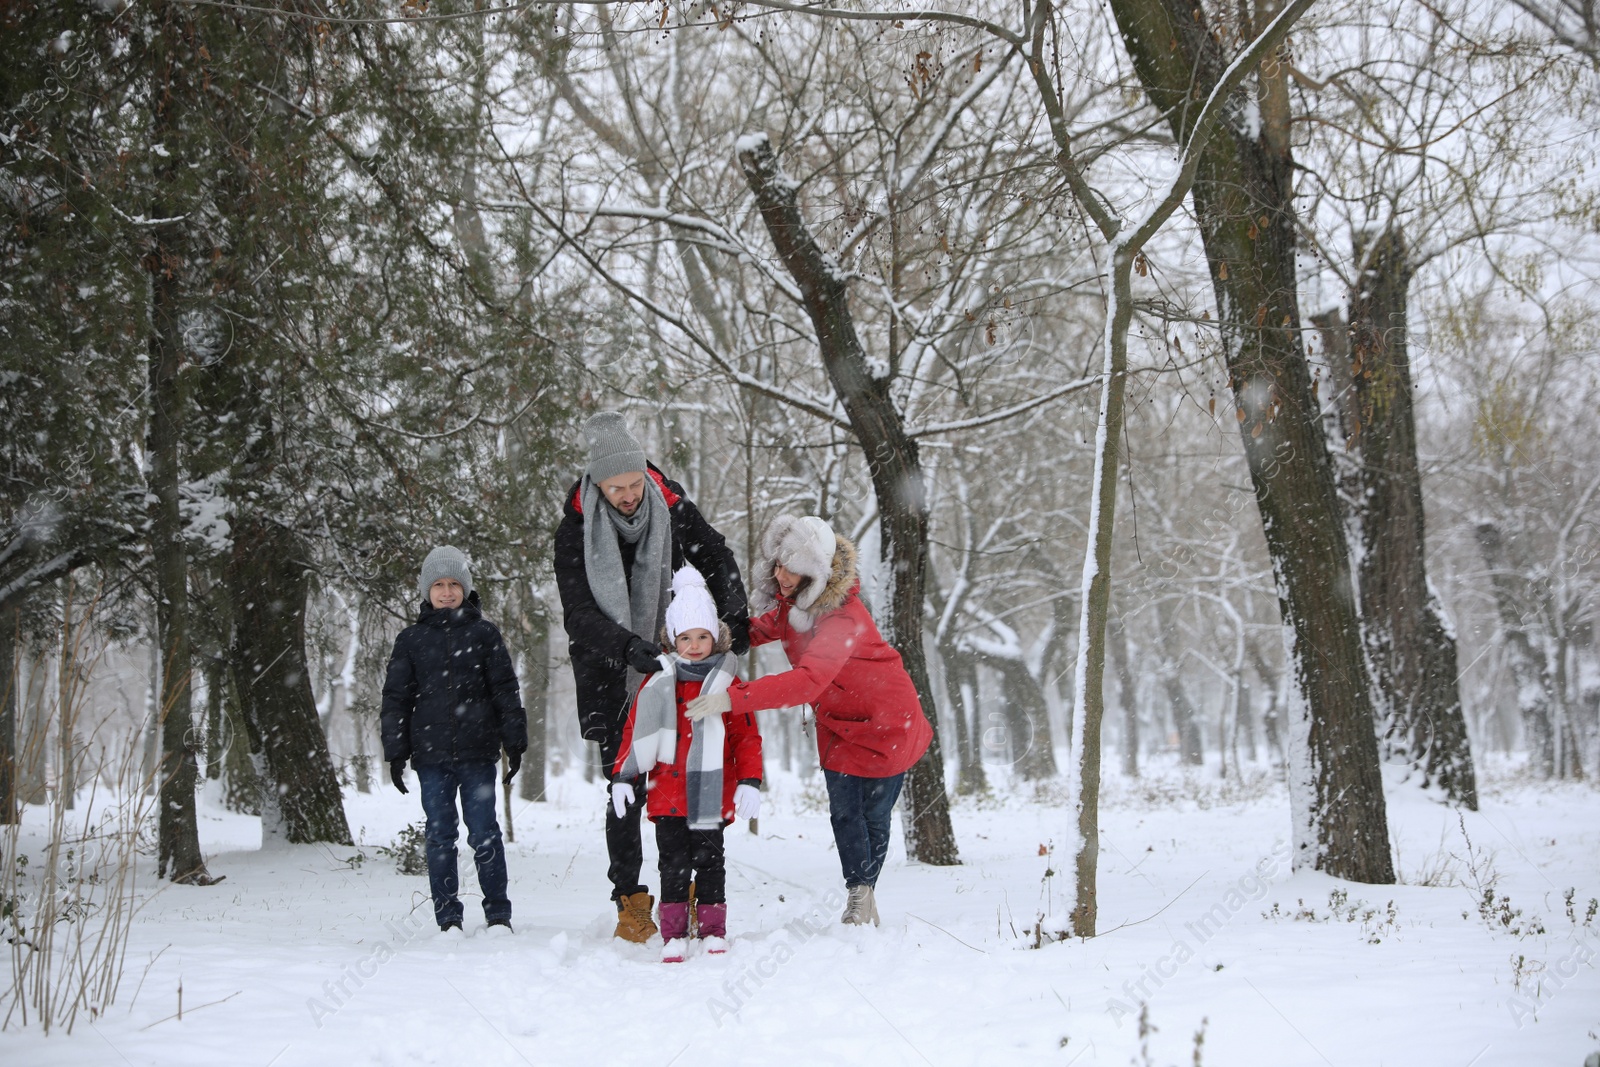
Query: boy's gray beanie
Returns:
{"type": "Point", "coordinates": [446, 561]}
{"type": "Point", "coordinates": [613, 450]}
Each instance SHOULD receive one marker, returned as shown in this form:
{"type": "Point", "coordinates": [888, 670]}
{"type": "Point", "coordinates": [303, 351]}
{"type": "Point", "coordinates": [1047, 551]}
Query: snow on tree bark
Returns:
{"type": "Point", "coordinates": [268, 581]}
{"type": "Point", "coordinates": [892, 462]}
{"type": "Point", "coordinates": [1409, 648]}
{"type": "Point", "coordinates": [1243, 200]}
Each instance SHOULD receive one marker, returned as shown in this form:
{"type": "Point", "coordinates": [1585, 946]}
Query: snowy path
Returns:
{"type": "Point", "coordinates": [299, 958]}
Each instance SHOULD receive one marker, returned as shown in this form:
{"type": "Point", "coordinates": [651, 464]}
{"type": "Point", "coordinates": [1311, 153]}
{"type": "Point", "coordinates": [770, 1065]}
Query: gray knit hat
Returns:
{"type": "Point", "coordinates": [613, 450]}
{"type": "Point", "coordinates": [446, 561]}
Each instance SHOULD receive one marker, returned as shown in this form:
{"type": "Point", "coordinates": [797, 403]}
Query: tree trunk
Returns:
{"type": "Point", "coordinates": [1411, 650]}
{"type": "Point", "coordinates": [1185, 717]}
{"type": "Point", "coordinates": [9, 675]}
{"type": "Point", "coordinates": [178, 834]}
{"type": "Point", "coordinates": [535, 626]}
{"type": "Point", "coordinates": [892, 462]}
{"type": "Point", "coordinates": [68, 697]}
{"type": "Point", "coordinates": [1243, 201]}
{"type": "Point", "coordinates": [35, 740]}
{"type": "Point", "coordinates": [961, 689]}
{"type": "Point", "coordinates": [216, 672]}
{"type": "Point", "coordinates": [1271, 724]}
{"type": "Point", "coordinates": [1127, 694]}
{"type": "Point", "coordinates": [268, 583]}
{"type": "Point", "coordinates": [241, 786]}
{"type": "Point", "coordinates": [1529, 667]}
{"type": "Point", "coordinates": [1028, 719]}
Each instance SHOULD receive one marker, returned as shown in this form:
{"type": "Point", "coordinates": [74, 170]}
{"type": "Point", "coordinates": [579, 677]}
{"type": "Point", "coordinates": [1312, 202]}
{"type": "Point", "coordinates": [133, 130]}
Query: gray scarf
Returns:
{"type": "Point", "coordinates": [642, 606]}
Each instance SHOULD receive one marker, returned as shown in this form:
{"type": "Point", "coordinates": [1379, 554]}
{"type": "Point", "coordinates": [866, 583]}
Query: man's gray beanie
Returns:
{"type": "Point", "coordinates": [612, 449]}
{"type": "Point", "coordinates": [446, 561]}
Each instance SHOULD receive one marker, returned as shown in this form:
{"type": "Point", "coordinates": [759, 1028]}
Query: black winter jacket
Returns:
{"type": "Point", "coordinates": [451, 691]}
{"type": "Point", "coordinates": [591, 634]}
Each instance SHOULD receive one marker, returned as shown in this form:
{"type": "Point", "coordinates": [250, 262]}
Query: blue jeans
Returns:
{"type": "Point", "coordinates": [860, 808]}
{"type": "Point", "coordinates": [475, 781]}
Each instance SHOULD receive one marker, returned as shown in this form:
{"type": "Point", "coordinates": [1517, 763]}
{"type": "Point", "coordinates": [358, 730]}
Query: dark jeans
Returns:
{"type": "Point", "coordinates": [860, 808]}
{"type": "Point", "coordinates": [602, 713]}
{"type": "Point", "coordinates": [686, 854]}
{"type": "Point", "coordinates": [475, 781]}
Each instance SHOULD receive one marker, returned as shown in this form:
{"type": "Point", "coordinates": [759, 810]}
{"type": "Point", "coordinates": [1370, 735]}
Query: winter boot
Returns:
{"type": "Point", "coordinates": [861, 908]}
{"type": "Point", "coordinates": [714, 928]}
{"type": "Point", "coordinates": [633, 918]}
{"type": "Point", "coordinates": [674, 932]}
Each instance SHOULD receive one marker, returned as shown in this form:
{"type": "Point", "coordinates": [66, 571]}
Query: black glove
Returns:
{"type": "Point", "coordinates": [642, 656]}
{"type": "Point", "coordinates": [513, 764]}
{"type": "Point", "coordinates": [739, 630]}
{"type": "Point", "coordinates": [397, 774]}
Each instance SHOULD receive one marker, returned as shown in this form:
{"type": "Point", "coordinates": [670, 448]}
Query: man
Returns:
{"type": "Point", "coordinates": [625, 530]}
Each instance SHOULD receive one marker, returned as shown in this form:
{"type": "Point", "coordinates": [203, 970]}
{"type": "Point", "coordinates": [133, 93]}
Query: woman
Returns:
{"type": "Point", "coordinates": [870, 725]}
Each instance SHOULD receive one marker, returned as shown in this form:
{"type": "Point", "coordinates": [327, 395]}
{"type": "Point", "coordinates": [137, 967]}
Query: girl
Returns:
{"type": "Point", "coordinates": [702, 774]}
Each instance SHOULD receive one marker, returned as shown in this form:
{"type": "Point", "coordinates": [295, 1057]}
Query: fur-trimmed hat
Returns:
{"type": "Point", "coordinates": [808, 547]}
{"type": "Point", "coordinates": [692, 607]}
{"type": "Point", "coordinates": [805, 546]}
{"type": "Point", "coordinates": [446, 561]}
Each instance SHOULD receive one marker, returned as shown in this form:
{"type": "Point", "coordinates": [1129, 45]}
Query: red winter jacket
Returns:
{"type": "Point", "coordinates": [741, 759]}
{"type": "Point", "coordinates": [869, 720]}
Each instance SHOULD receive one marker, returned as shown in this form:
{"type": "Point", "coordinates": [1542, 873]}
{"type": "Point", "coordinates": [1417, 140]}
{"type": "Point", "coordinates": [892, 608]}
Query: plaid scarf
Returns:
{"type": "Point", "coordinates": [655, 735]}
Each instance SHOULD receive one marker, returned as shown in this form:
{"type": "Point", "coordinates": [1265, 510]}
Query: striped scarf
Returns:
{"type": "Point", "coordinates": [655, 734]}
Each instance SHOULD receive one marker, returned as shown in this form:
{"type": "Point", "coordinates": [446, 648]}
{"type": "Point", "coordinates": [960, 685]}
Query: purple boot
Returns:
{"type": "Point", "coordinates": [674, 931]}
{"type": "Point", "coordinates": [714, 927]}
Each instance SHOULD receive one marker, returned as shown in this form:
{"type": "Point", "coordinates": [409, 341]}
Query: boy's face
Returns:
{"type": "Point", "coordinates": [695, 644]}
{"type": "Point", "coordinates": [446, 593]}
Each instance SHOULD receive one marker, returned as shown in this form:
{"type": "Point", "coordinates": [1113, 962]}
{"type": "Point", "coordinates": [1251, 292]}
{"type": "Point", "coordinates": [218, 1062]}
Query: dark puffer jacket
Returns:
{"type": "Point", "coordinates": [451, 691]}
{"type": "Point", "coordinates": [590, 633]}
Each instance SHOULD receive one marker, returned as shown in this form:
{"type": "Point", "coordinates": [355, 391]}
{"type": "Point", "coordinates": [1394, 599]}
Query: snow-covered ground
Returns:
{"type": "Point", "coordinates": [305, 956]}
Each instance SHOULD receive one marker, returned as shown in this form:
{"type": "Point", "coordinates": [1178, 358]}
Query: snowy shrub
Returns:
{"type": "Point", "coordinates": [409, 850]}
{"type": "Point", "coordinates": [1375, 923]}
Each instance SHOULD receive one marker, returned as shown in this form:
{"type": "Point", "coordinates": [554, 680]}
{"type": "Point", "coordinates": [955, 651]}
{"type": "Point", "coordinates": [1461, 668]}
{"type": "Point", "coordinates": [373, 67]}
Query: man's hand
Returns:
{"type": "Point", "coordinates": [642, 657]}
{"type": "Point", "coordinates": [513, 764]}
{"type": "Point", "coordinates": [708, 704]}
{"type": "Point", "coordinates": [621, 797]}
{"type": "Point", "coordinates": [397, 774]}
{"type": "Point", "coordinates": [739, 631]}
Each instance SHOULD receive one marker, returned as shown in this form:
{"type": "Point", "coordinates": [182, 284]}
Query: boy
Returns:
{"type": "Point", "coordinates": [450, 703]}
{"type": "Point", "coordinates": [702, 775]}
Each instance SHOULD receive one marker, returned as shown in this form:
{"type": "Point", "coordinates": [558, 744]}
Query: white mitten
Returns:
{"type": "Point", "coordinates": [708, 704]}
{"type": "Point", "coordinates": [621, 797]}
{"type": "Point", "coordinates": [747, 801]}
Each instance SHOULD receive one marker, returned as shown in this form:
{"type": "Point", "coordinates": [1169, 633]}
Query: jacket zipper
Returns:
{"type": "Point", "coordinates": [449, 662]}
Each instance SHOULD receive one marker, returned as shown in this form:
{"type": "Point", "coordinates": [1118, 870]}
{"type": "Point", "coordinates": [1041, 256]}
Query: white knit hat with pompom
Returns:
{"type": "Point", "coordinates": [692, 607]}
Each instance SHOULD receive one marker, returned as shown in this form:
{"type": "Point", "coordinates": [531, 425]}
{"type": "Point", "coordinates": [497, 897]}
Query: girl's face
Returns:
{"type": "Point", "coordinates": [788, 581]}
{"type": "Point", "coordinates": [695, 644]}
{"type": "Point", "coordinates": [446, 593]}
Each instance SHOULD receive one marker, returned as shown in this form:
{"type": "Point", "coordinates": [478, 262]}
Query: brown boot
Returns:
{"type": "Point", "coordinates": [633, 918]}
